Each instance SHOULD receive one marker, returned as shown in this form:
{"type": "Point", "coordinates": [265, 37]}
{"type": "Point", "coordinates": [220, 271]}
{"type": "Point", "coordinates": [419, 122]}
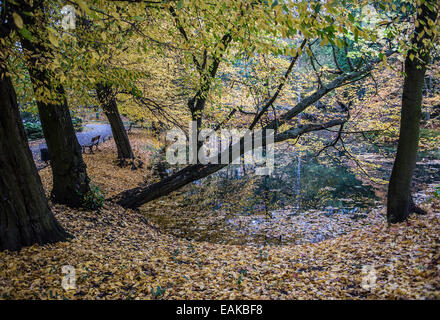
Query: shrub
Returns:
{"type": "Point", "coordinates": [77, 124]}
{"type": "Point", "coordinates": [33, 130]}
{"type": "Point", "coordinates": [95, 198]}
{"type": "Point", "coordinates": [29, 116]}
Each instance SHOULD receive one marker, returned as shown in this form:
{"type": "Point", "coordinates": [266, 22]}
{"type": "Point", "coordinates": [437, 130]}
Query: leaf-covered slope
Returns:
{"type": "Point", "coordinates": [117, 254]}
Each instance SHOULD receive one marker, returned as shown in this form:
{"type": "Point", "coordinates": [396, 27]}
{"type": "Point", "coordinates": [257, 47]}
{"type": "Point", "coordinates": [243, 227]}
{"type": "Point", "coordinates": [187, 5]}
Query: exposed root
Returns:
{"type": "Point", "coordinates": [413, 208]}
{"type": "Point", "coordinates": [134, 163]}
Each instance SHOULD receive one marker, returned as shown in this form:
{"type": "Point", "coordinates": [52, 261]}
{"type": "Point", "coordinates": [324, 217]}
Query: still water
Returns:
{"type": "Point", "coordinates": [304, 201]}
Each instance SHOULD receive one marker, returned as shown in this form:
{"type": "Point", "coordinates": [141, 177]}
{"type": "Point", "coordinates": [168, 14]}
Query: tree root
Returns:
{"type": "Point", "coordinates": [122, 162]}
{"type": "Point", "coordinates": [413, 208]}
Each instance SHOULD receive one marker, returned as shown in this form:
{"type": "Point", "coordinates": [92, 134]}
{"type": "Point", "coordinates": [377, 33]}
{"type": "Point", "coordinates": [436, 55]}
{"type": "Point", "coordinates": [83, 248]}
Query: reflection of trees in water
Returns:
{"type": "Point", "coordinates": [332, 185]}
{"type": "Point", "coordinates": [313, 185]}
{"type": "Point", "coordinates": [303, 183]}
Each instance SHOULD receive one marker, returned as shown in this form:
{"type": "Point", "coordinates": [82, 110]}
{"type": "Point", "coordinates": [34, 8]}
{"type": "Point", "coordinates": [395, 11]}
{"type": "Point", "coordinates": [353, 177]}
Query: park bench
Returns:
{"type": "Point", "coordinates": [93, 143]}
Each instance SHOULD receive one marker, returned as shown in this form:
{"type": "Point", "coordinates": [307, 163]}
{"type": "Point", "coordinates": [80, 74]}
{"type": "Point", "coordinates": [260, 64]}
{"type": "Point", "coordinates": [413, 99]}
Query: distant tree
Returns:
{"type": "Point", "coordinates": [108, 103]}
{"type": "Point", "coordinates": [89, 35]}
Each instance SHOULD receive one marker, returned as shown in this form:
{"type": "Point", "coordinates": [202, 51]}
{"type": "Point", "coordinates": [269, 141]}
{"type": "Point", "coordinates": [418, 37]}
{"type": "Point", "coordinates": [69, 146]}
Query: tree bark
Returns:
{"type": "Point", "coordinates": [70, 180]}
{"type": "Point", "coordinates": [399, 202]}
{"type": "Point", "coordinates": [25, 217]}
{"type": "Point", "coordinates": [108, 103]}
{"type": "Point", "coordinates": [69, 172]}
{"type": "Point", "coordinates": [136, 197]}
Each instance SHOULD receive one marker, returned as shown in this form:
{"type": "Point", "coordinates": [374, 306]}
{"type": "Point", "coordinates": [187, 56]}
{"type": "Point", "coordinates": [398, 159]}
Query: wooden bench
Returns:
{"type": "Point", "coordinates": [93, 143]}
{"type": "Point", "coordinates": [128, 130]}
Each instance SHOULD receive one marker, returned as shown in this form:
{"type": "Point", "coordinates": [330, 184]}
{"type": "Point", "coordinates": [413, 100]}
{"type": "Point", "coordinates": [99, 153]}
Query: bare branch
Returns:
{"type": "Point", "coordinates": [280, 87]}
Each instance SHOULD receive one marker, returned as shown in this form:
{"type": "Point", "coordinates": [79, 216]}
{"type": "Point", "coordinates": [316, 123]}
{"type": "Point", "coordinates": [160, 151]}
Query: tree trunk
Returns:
{"type": "Point", "coordinates": [25, 217]}
{"type": "Point", "coordinates": [136, 197]}
{"type": "Point", "coordinates": [70, 180]}
{"type": "Point", "coordinates": [108, 104]}
{"type": "Point", "coordinates": [399, 203]}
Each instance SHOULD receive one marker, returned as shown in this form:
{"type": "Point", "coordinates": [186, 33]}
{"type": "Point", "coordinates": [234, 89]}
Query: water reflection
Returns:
{"type": "Point", "coordinates": [298, 204]}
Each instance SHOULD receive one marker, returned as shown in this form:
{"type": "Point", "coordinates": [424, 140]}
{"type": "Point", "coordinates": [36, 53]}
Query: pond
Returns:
{"type": "Point", "coordinates": [304, 201]}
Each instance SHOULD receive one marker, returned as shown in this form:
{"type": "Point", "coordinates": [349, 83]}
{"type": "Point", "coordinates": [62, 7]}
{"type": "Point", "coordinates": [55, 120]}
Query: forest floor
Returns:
{"type": "Point", "coordinates": [119, 254]}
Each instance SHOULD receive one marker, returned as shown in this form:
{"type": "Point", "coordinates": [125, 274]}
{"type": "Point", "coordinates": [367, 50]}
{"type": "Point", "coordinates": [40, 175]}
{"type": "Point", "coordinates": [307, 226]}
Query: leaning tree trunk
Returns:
{"type": "Point", "coordinates": [70, 180]}
{"type": "Point", "coordinates": [400, 204]}
{"type": "Point", "coordinates": [136, 197]}
{"type": "Point", "coordinates": [108, 103]}
{"type": "Point", "coordinates": [25, 217]}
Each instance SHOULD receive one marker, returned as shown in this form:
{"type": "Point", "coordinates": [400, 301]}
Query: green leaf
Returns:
{"type": "Point", "coordinates": [17, 20]}
{"type": "Point", "coordinates": [318, 8]}
{"type": "Point", "coordinates": [351, 18]}
{"type": "Point", "coordinates": [52, 37]}
{"type": "Point", "coordinates": [26, 34]}
{"type": "Point", "coordinates": [83, 6]}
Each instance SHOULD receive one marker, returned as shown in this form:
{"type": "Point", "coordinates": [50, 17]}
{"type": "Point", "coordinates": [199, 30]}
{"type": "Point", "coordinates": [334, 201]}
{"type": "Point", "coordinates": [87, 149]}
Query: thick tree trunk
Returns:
{"type": "Point", "coordinates": [70, 180]}
{"type": "Point", "coordinates": [25, 217]}
{"type": "Point", "coordinates": [110, 108]}
{"type": "Point", "coordinates": [399, 204]}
